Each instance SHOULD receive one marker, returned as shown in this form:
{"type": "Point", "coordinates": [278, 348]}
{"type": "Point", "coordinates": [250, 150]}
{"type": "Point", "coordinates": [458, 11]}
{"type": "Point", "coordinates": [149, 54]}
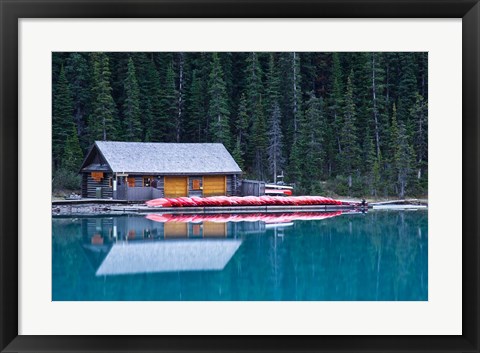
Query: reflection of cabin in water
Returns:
{"type": "Point", "coordinates": [128, 245]}
{"type": "Point", "coordinates": [139, 171]}
{"type": "Point", "coordinates": [104, 230]}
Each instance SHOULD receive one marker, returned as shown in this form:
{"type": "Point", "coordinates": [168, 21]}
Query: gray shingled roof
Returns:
{"type": "Point", "coordinates": [168, 158]}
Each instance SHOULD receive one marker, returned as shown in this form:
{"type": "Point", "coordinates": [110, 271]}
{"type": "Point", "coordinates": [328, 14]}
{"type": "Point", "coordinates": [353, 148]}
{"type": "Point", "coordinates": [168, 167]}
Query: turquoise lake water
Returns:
{"type": "Point", "coordinates": [380, 255]}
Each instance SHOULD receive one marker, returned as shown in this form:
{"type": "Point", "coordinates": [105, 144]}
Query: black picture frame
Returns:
{"type": "Point", "coordinates": [12, 10]}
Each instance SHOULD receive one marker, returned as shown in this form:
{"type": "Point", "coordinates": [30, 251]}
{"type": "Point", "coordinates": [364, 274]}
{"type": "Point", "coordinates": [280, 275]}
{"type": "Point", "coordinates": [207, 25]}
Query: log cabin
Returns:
{"type": "Point", "coordinates": [139, 171]}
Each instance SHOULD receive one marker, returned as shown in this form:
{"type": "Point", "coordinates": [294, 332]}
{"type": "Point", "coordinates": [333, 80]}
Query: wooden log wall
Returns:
{"type": "Point", "coordinates": [92, 185]}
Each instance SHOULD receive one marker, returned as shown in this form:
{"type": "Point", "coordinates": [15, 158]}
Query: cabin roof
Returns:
{"type": "Point", "coordinates": [166, 158]}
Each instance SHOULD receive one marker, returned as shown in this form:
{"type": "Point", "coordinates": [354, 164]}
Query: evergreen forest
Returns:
{"type": "Point", "coordinates": [349, 124]}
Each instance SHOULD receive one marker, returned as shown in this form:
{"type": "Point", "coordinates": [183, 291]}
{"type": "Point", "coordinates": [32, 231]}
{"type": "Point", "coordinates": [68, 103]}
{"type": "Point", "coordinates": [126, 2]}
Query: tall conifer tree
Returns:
{"type": "Point", "coordinates": [131, 106]}
{"type": "Point", "coordinates": [218, 112]}
{"type": "Point", "coordinates": [79, 77]}
{"type": "Point", "coordinates": [62, 120]}
{"type": "Point", "coordinates": [350, 149]}
{"type": "Point", "coordinates": [102, 121]}
{"type": "Point", "coordinates": [169, 101]}
{"type": "Point", "coordinates": [72, 155]}
{"type": "Point", "coordinates": [275, 142]}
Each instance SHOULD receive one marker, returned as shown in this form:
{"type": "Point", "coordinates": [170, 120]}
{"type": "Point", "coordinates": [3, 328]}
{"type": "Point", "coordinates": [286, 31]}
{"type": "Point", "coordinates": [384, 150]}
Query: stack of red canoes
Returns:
{"type": "Point", "coordinates": [243, 201]}
{"type": "Point", "coordinates": [222, 218]}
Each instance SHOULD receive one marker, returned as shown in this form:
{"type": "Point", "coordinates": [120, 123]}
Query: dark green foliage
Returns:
{"type": "Point", "coordinates": [418, 114]}
{"type": "Point", "coordinates": [273, 85]}
{"type": "Point", "coordinates": [275, 143]}
{"type": "Point", "coordinates": [131, 106]}
{"type": "Point", "coordinates": [350, 153]}
{"type": "Point", "coordinates": [259, 143]}
{"type": "Point", "coordinates": [168, 105]}
{"type": "Point", "coordinates": [149, 98]}
{"type": "Point", "coordinates": [312, 141]}
{"type": "Point", "coordinates": [79, 76]}
{"type": "Point", "coordinates": [327, 120]}
{"type": "Point", "coordinates": [196, 124]}
{"type": "Point", "coordinates": [62, 119]}
{"type": "Point", "coordinates": [73, 155]}
{"type": "Point", "coordinates": [103, 123]}
{"type": "Point", "coordinates": [218, 113]}
{"type": "Point", "coordinates": [64, 179]}
{"type": "Point", "coordinates": [241, 131]}
{"type": "Point", "coordinates": [402, 156]}
{"type": "Point", "coordinates": [237, 154]}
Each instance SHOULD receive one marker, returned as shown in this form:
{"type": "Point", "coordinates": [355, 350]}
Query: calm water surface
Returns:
{"type": "Point", "coordinates": [381, 255]}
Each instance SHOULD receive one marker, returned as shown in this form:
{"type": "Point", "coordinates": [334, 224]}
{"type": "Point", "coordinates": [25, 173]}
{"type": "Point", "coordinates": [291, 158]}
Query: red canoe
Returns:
{"type": "Point", "coordinates": [244, 201]}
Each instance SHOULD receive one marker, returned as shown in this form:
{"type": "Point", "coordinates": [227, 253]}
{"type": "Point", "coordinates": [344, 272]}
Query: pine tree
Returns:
{"type": "Point", "coordinates": [118, 63]}
{"type": "Point", "coordinates": [196, 124]}
{"type": "Point", "coordinates": [102, 121]}
{"type": "Point", "coordinates": [402, 157]}
{"type": "Point", "coordinates": [180, 114]}
{"type": "Point", "coordinates": [377, 106]}
{"type": "Point", "coordinates": [152, 112]}
{"type": "Point", "coordinates": [295, 165]}
{"type": "Point", "coordinates": [241, 130]}
{"type": "Point", "coordinates": [218, 109]}
{"type": "Point", "coordinates": [350, 149]}
{"type": "Point", "coordinates": [169, 101]}
{"type": "Point", "coordinates": [253, 92]}
{"type": "Point", "coordinates": [335, 103]}
{"type": "Point", "coordinates": [259, 142]}
{"type": "Point", "coordinates": [148, 81]}
{"type": "Point", "coordinates": [253, 83]}
{"type": "Point", "coordinates": [273, 86]}
{"type": "Point", "coordinates": [62, 119]}
{"type": "Point", "coordinates": [407, 90]}
{"type": "Point", "coordinates": [275, 143]}
{"type": "Point", "coordinates": [294, 106]}
{"type": "Point", "coordinates": [312, 139]}
{"type": "Point", "coordinates": [78, 75]}
{"type": "Point", "coordinates": [73, 155]}
{"type": "Point", "coordinates": [361, 66]}
{"type": "Point", "coordinates": [297, 94]}
{"type": "Point", "coordinates": [419, 115]}
{"type": "Point", "coordinates": [372, 164]}
{"type": "Point", "coordinates": [237, 154]}
{"type": "Point", "coordinates": [131, 106]}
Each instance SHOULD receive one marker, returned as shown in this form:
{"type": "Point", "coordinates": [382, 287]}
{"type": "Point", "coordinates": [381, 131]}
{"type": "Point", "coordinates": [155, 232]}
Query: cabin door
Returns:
{"type": "Point", "coordinates": [176, 186]}
{"type": "Point", "coordinates": [214, 185]}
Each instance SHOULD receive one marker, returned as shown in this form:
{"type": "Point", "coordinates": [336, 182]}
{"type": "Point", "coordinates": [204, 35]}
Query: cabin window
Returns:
{"type": "Point", "coordinates": [110, 182]}
{"type": "Point", "coordinates": [147, 181]}
{"type": "Point", "coordinates": [97, 176]}
{"type": "Point", "coordinates": [131, 181]}
{"type": "Point", "coordinates": [196, 184]}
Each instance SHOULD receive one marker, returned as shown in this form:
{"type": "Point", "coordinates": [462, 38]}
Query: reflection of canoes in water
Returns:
{"type": "Point", "coordinates": [267, 218]}
{"type": "Point", "coordinates": [247, 201]}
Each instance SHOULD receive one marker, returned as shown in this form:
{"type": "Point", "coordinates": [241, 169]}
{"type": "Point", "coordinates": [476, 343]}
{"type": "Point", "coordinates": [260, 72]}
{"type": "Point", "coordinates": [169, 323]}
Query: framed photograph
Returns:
{"type": "Point", "coordinates": [230, 176]}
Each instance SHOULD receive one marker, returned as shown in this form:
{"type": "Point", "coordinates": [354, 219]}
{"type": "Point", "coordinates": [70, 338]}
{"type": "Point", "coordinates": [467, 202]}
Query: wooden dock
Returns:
{"type": "Point", "coordinates": [233, 209]}
{"type": "Point", "coordinates": [93, 207]}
